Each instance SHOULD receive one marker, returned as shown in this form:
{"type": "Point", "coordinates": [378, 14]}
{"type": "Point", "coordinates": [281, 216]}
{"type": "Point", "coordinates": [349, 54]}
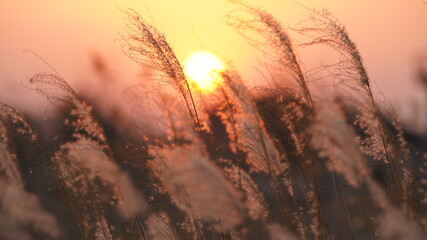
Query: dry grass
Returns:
{"type": "Point", "coordinates": [286, 166]}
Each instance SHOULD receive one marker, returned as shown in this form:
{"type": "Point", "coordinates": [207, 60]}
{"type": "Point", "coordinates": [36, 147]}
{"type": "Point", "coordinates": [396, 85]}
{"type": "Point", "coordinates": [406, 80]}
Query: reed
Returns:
{"type": "Point", "coordinates": [228, 165]}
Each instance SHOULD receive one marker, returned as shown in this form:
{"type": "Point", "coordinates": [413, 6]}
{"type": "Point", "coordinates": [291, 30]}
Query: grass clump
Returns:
{"type": "Point", "coordinates": [287, 165]}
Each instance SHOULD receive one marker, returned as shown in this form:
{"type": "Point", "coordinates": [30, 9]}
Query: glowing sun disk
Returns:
{"type": "Point", "coordinates": [203, 71]}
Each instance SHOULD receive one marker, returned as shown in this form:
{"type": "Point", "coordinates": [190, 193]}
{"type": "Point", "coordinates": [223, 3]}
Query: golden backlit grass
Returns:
{"type": "Point", "coordinates": [229, 165]}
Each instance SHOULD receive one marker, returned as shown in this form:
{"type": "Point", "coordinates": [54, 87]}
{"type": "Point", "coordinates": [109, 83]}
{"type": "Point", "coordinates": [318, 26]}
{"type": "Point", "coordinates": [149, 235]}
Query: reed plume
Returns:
{"type": "Point", "coordinates": [354, 81]}
{"type": "Point", "coordinates": [267, 35]}
{"type": "Point", "coordinates": [86, 157]}
{"type": "Point", "coordinates": [147, 46]}
{"type": "Point", "coordinates": [85, 169]}
{"type": "Point", "coordinates": [261, 153]}
{"type": "Point", "coordinates": [253, 198]}
{"type": "Point", "coordinates": [57, 91]}
{"type": "Point", "coordinates": [252, 138]}
{"type": "Point", "coordinates": [18, 207]}
{"type": "Point", "coordinates": [331, 139]}
{"type": "Point", "coordinates": [78, 172]}
{"type": "Point", "coordinates": [337, 141]}
{"type": "Point", "coordinates": [188, 175]}
{"type": "Point", "coordinates": [194, 183]}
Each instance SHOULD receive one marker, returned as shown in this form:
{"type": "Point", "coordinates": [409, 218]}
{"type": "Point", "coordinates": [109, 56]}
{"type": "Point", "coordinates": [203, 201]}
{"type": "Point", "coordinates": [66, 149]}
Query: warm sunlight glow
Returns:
{"type": "Point", "coordinates": [203, 71]}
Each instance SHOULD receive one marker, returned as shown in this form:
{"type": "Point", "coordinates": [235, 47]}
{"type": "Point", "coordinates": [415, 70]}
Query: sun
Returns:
{"type": "Point", "coordinates": [203, 71]}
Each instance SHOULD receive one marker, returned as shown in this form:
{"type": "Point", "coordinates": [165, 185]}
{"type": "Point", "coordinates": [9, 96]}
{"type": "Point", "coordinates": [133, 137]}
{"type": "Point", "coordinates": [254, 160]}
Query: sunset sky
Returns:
{"type": "Point", "coordinates": [391, 36]}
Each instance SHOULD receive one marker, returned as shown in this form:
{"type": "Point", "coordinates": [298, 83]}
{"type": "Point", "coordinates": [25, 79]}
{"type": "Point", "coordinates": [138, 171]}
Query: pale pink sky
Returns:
{"type": "Point", "coordinates": [391, 35]}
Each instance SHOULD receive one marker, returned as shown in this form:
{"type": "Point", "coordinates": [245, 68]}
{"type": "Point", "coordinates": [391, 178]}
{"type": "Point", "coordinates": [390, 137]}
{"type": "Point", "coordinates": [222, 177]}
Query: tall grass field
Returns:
{"type": "Point", "coordinates": [233, 163]}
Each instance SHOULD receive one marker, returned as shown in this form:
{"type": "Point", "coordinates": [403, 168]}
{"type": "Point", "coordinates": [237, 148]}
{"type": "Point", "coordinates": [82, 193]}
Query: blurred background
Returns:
{"type": "Point", "coordinates": [81, 41]}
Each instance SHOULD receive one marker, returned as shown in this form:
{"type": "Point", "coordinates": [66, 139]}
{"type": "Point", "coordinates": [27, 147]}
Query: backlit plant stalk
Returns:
{"type": "Point", "coordinates": [336, 140]}
{"type": "Point", "coordinates": [267, 35]}
{"type": "Point", "coordinates": [74, 171]}
{"type": "Point", "coordinates": [148, 47]}
{"type": "Point", "coordinates": [252, 139]}
{"type": "Point", "coordinates": [20, 208]}
{"type": "Point", "coordinates": [191, 180]}
{"type": "Point", "coordinates": [354, 80]}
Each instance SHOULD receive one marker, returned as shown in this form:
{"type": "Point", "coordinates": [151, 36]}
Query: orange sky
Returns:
{"type": "Point", "coordinates": [390, 36]}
